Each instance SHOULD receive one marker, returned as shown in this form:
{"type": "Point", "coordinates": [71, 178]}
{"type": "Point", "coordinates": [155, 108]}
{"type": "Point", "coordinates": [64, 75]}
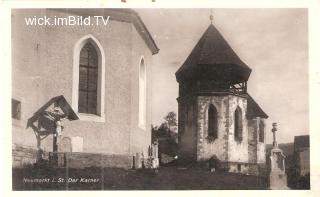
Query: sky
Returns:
{"type": "Point", "coordinates": [272, 42]}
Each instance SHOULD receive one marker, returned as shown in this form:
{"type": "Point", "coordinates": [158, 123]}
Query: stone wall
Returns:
{"type": "Point", "coordinates": [252, 140]}
{"type": "Point", "coordinates": [23, 155]}
{"type": "Point", "coordinates": [245, 168]}
{"type": "Point", "coordinates": [83, 160]}
{"type": "Point", "coordinates": [261, 146]}
{"type": "Point", "coordinates": [239, 168]}
{"type": "Point", "coordinates": [257, 152]}
{"type": "Point", "coordinates": [244, 155]}
{"type": "Point", "coordinates": [219, 147]}
{"type": "Point", "coordinates": [225, 147]}
{"type": "Point", "coordinates": [238, 151]}
{"type": "Point", "coordinates": [188, 136]}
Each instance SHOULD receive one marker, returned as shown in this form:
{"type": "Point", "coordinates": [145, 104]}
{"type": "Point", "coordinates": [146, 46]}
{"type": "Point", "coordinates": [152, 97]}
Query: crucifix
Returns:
{"type": "Point", "coordinates": [56, 116]}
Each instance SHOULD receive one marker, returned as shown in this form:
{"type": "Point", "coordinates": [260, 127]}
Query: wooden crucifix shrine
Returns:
{"type": "Point", "coordinates": [48, 120]}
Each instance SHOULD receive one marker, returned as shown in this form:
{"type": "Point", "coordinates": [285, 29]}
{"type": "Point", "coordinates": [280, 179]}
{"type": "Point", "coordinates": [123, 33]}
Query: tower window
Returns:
{"type": "Point", "coordinates": [88, 79]}
{"type": "Point", "coordinates": [142, 94]}
{"type": "Point", "coordinates": [212, 122]}
{"type": "Point", "coordinates": [238, 124]}
{"type": "Point", "coordinates": [261, 131]}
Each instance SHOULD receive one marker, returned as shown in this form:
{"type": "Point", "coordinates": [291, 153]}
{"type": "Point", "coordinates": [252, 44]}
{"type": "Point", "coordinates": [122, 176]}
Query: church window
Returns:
{"type": "Point", "coordinates": [88, 84]}
{"type": "Point", "coordinates": [238, 124]}
{"type": "Point", "coordinates": [88, 79]}
{"type": "Point", "coordinates": [142, 94]}
{"type": "Point", "coordinates": [212, 122]}
{"type": "Point", "coordinates": [261, 131]}
{"type": "Point", "coordinates": [15, 109]}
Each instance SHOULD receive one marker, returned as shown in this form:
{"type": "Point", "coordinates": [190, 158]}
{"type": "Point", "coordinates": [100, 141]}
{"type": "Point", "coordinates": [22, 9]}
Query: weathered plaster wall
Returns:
{"type": "Point", "coordinates": [218, 147]}
{"type": "Point", "coordinates": [188, 139]}
{"type": "Point", "coordinates": [225, 147]}
{"type": "Point", "coordinates": [42, 66]}
{"type": "Point", "coordinates": [249, 150]}
{"type": "Point", "coordinates": [25, 76]}
{"type": "Point", "coordinates": [257, 152]}
{"type": "Point", "coordinates": [261, 146]}
{"type": "Point", "coordinates": [252, 140]}
{"type": "Point", "coordinates": [181, 122]}
{"type": "Point", "coordinates": [238, 151]}
{"type": "Point", "coordinates": [140, 138]}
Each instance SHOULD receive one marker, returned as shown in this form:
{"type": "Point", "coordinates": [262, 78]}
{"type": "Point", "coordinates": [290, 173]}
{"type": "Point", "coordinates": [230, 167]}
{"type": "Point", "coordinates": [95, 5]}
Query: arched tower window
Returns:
{"type": "Point", "coordinates": [261, 131]}
{"type": "Point", "coordinates": [212, 122]}
{"type": "Point", "coordinates": [238, 124]}
{"type": "Point", "coordinates": [142, 93]}
{"type": "Point", "coordinates": [88, 79]}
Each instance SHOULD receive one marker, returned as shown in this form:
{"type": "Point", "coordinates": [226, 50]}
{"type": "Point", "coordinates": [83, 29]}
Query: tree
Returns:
{"type": "Point", "coordinates": [171, 120]}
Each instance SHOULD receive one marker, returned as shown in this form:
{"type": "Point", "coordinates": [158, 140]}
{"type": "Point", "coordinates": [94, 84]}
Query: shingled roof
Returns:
{"type": "Point", "coordinates": [254, 110]}
{"type": "Point", "coordinates": [212, 49]}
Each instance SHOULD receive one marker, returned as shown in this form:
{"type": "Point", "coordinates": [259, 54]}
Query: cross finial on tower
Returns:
{"type": "Point", "coordinates": [211, 16]}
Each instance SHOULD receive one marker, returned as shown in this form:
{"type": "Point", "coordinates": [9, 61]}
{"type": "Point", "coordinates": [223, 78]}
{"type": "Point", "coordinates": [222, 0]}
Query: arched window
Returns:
{"type": "Point", "coordinates": [238, 124]}
{"type": "Point", "coordinates": [142, 94]}
{"type": "Point", "coordinates": [212, 122]}
{"type": "Point", "coordinates": [88, 79]}
{"type": "Point", "coordinates": [261, 131]}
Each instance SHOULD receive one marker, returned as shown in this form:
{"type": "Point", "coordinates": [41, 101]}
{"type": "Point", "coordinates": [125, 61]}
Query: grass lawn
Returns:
{"type": "Point", "coordinates": [167, 178]}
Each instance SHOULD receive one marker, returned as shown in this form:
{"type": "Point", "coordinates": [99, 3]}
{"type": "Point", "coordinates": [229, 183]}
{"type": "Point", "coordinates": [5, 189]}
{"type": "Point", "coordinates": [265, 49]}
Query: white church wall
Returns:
{"type": "Point", "coordinates": [43, 68]}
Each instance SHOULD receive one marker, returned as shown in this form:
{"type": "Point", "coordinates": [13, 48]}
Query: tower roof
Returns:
{"type": "Point", "coordinates": [213, 53]}
{"type": "Point", "coordinates": [254, 110]}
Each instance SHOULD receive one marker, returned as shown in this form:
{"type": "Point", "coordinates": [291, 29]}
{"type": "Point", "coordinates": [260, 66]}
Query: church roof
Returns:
{"type": "Point", "coordinates": [212, 49]}
{"type": "Point", "coordinates": [254, 110]}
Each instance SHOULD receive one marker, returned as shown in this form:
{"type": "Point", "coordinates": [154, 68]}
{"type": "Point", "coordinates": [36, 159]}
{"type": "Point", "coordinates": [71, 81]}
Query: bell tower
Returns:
{"type": "Point", "coordinates": [214, 107]}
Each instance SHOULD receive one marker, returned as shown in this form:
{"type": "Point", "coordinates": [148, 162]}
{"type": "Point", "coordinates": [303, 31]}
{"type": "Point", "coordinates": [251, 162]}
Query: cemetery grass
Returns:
{"type": "Point", "coordinates": [167, 178]}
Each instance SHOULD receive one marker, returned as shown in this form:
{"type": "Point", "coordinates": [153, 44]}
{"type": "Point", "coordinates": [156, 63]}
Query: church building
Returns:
{"type": "Point", "coordinates": [216, 114]}
{"type": "Point", "coordinates": [97, 75]}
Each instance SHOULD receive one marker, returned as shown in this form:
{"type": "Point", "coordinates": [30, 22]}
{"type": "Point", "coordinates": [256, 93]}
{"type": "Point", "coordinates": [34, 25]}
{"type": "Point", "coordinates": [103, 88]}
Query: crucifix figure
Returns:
{"type": "Point", "coordinates": [57, 117]}
{"type": "Point", "coordinates": [274, 130]}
